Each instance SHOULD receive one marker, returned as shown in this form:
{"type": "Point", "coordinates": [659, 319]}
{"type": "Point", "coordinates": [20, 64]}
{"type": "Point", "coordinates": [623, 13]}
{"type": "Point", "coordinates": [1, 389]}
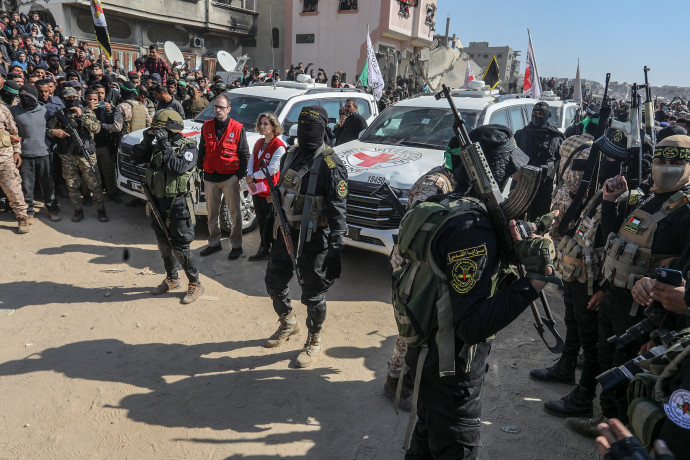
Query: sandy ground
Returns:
{"type": "Point", "coordinates": [92, 366]}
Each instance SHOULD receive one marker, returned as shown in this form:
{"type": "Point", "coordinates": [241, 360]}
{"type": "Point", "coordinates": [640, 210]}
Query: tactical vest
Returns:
{"type": "Point", "coordinates": [577, 259]}
{"type": "Point", "coordinates": [290, 187]}
{"type": "Point", "coordinates": [162, 182]}
{"type": "Point", "coordinates": [138, 121]}
{"type": "Point", "coordinates": [628, 253]}
{"type": "Point", "coordinates": [421, 296]}
{"type": "Point", "coordinates": [649, 391]}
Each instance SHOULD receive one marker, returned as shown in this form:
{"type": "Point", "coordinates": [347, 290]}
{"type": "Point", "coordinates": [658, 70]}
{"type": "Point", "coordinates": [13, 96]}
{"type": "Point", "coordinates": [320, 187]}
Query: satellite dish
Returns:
{"type": "Point", "coordinates": [226, 61]}
{"type": "Point", "coordinates": [173, 53]}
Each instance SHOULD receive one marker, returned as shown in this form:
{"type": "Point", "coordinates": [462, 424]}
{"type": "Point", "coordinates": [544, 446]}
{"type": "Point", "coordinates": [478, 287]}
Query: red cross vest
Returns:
{"type": "Point", "coordinates": [221, 154]}
{"type": "Point", "coordinates": [266, 156]}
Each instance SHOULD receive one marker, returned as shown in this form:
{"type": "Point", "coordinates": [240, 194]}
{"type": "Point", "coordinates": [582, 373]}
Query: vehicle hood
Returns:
{"type": "Point", "coordinates": [192, 129]}
{"type": "Point", "coordinates": [400, 166]}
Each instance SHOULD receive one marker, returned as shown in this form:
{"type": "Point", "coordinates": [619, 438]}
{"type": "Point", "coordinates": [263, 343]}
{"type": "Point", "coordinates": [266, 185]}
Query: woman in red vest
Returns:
{"type": "Point", "coordinates": [269, 149]}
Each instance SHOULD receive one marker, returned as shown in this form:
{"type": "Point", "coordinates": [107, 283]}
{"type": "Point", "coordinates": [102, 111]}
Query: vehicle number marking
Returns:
{"type": "Point", "coordinates": [376, 180]}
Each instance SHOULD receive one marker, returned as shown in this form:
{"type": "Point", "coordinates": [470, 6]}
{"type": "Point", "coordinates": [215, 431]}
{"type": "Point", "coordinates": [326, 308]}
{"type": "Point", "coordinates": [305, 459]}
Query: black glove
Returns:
{"type": "Point", "coordinates": [160, 134]}
{"type": "Point", "coordinates": [332, 267]}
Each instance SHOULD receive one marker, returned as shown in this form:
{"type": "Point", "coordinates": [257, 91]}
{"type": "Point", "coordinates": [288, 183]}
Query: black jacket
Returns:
{"type": "Point", "coordinates": [351, 128]}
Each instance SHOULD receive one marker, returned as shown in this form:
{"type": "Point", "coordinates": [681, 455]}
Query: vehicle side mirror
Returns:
{"type": "Point", "coordinates": [293, 131]}
{"type": "Point", "coordinates": [359, 136]}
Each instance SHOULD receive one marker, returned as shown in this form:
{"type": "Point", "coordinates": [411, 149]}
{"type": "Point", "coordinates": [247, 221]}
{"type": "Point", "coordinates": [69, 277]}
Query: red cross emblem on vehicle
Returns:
{"type": "Point", "coordinates": [369, 160]}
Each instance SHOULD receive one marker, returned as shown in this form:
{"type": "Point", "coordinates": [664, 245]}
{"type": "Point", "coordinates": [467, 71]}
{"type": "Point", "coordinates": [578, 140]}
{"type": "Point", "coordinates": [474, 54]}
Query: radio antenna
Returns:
{"type": "Point", "coordinates": [273, 52]}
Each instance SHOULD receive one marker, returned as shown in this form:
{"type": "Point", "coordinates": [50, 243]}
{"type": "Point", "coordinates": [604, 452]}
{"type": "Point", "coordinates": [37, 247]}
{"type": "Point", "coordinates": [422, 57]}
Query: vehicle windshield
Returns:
{"type": "Point", "coordinates": [555, 115]}
{"type": "Point", "coordinates": [431, 127]}
{"type": "Point", "coordinates": [245, 109]}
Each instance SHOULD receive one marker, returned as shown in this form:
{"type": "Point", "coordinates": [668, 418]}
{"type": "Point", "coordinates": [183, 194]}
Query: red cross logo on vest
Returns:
{"type": "Point", "coordinates": [368, 160]}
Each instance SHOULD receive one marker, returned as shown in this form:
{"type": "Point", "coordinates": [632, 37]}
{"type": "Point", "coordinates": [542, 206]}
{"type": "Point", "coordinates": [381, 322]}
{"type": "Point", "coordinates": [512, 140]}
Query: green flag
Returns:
{"type": "Point", "coordinates": [364, 75]}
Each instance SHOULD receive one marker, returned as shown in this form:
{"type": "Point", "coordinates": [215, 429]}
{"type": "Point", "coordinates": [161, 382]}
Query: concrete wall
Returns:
{"type": "Point", "coordinates": [340, 37]}
{"type": "Point", "coordinates": [263, 55]}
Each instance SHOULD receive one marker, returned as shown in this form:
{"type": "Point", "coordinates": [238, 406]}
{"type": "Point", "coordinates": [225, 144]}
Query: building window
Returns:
{"type": "Point", "coordinates": [310, 6]}
{"type": "Point", "coordinates": [275, 37]}
{"type": "Point", "coordinates": [430, 19]}
{"type": "Point", "coordinates": [486, 56]}
{"type": "Point", "coordinates": [347, 5]}
{"type": "Point", "coordinates": [499, 56]}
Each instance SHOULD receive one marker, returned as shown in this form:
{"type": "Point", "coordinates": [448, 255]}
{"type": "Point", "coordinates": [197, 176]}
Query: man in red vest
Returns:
{"type": "Point", "coordinates": [223, 155]}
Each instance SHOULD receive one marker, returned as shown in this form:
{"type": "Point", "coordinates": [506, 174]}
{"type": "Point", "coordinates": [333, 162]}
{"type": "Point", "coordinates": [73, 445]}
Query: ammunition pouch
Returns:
{"type": "Point", "coordinates": [5, 140]}
{"type": "Point", "coordinates": [576, 262]}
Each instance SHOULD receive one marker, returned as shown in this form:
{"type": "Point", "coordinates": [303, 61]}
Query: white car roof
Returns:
{"type": "Point", "coordinates": [278, 92]}
{"type": "Point", "coordinates": [289, 89]}
{"type": "Point", "coordinates": [462, 103]}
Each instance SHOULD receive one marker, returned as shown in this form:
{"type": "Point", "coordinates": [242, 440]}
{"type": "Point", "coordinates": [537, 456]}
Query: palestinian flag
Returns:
{"type": "Point", "coordinates": [100, 27]}
{"type": "Point", "coordinates": [491, 75]}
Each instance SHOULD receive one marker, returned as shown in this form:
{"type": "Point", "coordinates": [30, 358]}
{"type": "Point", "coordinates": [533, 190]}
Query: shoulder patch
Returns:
{"type": "Point", "coordinates": [464, 276]}
{"type": "Point", "coordinates": [678, 408]}
{"type": "Point", "coordinates": [341, 188]}
{"type": "Point", "coordinates": [467, 253]}
{"type": "Point", "coordinates": [188, 155]}
{"type": "Point", "coordinates": [633, 199]}
{"type": "Point", "coordinates": [329, 161]}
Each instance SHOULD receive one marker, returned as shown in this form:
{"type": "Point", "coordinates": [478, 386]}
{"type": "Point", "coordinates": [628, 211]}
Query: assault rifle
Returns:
{"type": "Point", "coordinates": [154, 209]}
{"type": "Point", "coordinates": [284, 225]}
{"type": "Point", "coordinates": [76, 139]}
{"type": "Point", "coordinates": [501, 210]}
{"type": "Point", "coordinates": [588, 186]}
{"type": "Point", "coordinates": [649, 107]}
{"type": "Point", "coordinates": [385, 193]}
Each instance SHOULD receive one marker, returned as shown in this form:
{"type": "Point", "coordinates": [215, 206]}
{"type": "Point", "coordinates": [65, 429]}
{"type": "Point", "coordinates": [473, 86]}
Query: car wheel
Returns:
{"type": "Point", "coordinates": [247, 212]}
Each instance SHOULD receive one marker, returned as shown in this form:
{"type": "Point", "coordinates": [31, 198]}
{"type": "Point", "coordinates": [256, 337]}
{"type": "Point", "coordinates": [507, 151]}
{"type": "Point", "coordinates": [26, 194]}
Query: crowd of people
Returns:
{"type": "Point", "coordinates": [619, 218]}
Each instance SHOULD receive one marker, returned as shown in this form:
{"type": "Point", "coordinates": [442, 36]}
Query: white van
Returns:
{"type": "Point", "coordinates": [403, 143]}
{"type": "Point", "coordinates": [285, 99]}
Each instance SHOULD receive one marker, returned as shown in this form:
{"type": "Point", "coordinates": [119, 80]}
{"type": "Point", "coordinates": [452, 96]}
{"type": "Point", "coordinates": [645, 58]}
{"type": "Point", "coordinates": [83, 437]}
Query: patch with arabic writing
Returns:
{"type": "Point", "coordinates": [341, 188]}
{"type": "Point", "coordinates": [678, 408]}
{"type": "Point", "coordinates": [467, 253]}
{"type": "Point", "coordinates": [465, 275]}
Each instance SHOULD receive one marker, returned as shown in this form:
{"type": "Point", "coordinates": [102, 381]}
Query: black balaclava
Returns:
{"type": "Point", "coordinates": [128, 90]}
{"type": "Point", "coordinates": [69, 103]}
{"type": "Point", "coordinates": [540, 121]}
{"type": "Point", "coordinates": [28, 95]}
{"type": "Point", "coordinates": [502, 154]}
{"type": "Point", "coordinates": [9, 91]}
{"type": "Point", "coordinates": [311, 128]}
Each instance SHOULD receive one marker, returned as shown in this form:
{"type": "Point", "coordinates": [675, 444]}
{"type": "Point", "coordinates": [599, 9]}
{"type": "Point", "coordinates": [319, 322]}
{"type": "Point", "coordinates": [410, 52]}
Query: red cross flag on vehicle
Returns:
{"type": "Point", "coordinates": [469, 75]}
{"type": "Point", "coordinates": [100, 27]}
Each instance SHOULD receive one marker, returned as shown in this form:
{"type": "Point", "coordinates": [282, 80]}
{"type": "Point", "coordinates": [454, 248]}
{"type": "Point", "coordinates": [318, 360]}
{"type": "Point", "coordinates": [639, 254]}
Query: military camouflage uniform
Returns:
{"type": "Point", "coordinates": [568, 180]}
{"type": "Point", "coordinates": [122, 118]}
{"type": "Point", "coordinates": [74, 166]}
{"type": "Point", "coordinates": [438, 181]}
{"type": "Point", "coordinates": [10, 180]}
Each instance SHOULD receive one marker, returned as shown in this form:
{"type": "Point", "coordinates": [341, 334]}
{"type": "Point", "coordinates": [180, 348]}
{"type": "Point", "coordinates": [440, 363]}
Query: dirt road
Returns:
{"type": "Point", "coordinates": [92, 366]}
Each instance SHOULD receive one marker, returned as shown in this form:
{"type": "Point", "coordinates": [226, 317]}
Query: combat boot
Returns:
{"type": "Point", "coordinates": [563, 371]}
{"type": "Point", "coordinates": [23, 224]}
{"type": "Point", "coordinates": [288, 327]}
{"type": "Point", "coordinates": [391, 387]}
{"type": "Point", "coordinates": [78, 215]}
{"type": "Point", "coordinates": [578, 403]}
{"type": "Point", "coordinates": [194, 291]}
{"type": "Point", "coordinates": [102, 216]}
{"type": "Point", "coordinates": [168, 284]}
{"type": "Point", "coordinates": [587, 427]}
{"type": "Point", "coordinates": [311, 350]}
{"type": "Point", "coordinates": [261, 254]}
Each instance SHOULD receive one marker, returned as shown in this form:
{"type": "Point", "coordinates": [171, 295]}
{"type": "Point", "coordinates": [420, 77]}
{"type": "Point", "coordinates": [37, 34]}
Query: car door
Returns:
{"type": "Point", "coordinates": [499, 117]}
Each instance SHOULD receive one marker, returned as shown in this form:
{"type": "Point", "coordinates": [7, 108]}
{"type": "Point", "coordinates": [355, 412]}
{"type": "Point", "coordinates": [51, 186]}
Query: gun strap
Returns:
{"type": "Point", "coordinates": [307, 211]}
{"type": "Point", "coordinates": [560, 172]}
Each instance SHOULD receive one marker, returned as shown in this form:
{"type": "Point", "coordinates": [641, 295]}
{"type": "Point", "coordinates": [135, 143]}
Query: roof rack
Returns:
{"type": "Point", "coordinates": [337, 90]}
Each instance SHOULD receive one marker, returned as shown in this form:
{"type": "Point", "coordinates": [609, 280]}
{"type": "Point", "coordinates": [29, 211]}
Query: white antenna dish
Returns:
{"type": "Point", "coordinates": [173, 53]}
{"type": "Point", "coordinates": [226, 61]}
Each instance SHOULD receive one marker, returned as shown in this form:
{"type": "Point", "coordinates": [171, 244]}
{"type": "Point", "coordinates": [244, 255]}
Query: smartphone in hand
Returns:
{"type": "Point", "coordinates": [668, 276]}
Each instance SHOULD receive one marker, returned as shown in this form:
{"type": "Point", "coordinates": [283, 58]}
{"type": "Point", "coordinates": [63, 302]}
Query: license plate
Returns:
{"type": "Point", "coordinates": [136, 187]}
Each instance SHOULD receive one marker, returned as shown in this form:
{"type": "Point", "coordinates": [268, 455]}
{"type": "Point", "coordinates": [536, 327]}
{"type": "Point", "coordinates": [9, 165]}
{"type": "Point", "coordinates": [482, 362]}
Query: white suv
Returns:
{"type": "Point", "coordinates": [285, 99]}
{"type": "Point", "coordinates": [403, 143]}
{"type": "Point", "coordinates": [563, 113]}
